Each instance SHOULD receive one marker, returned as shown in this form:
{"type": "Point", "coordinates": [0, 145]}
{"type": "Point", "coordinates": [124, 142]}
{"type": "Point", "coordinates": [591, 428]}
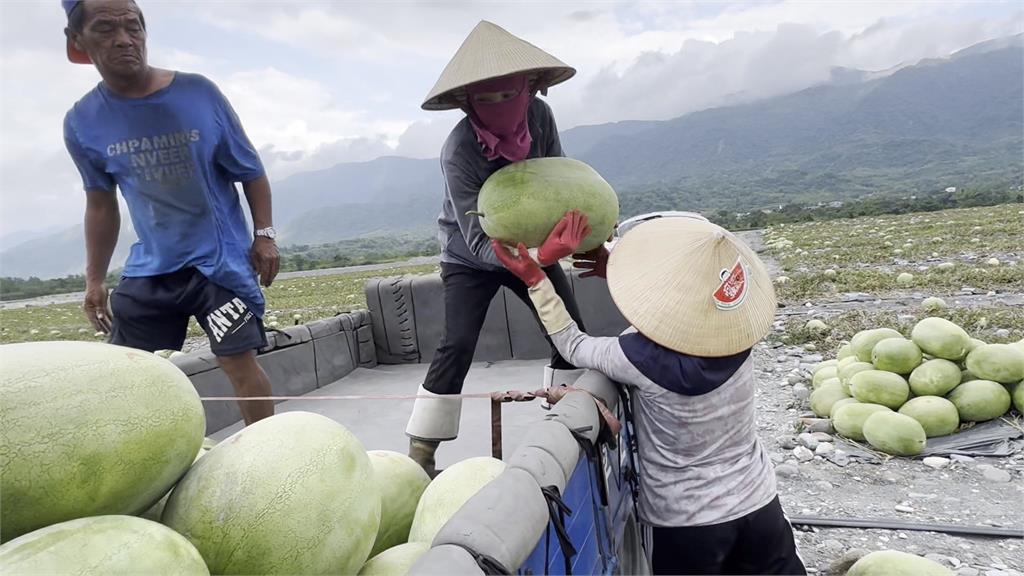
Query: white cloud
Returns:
{"type": "Point", "coordinates": [319, 83]}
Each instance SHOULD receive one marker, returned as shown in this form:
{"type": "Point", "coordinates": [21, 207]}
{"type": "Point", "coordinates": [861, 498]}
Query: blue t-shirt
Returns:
{"type": "Point", "coordinates": [176, 156]}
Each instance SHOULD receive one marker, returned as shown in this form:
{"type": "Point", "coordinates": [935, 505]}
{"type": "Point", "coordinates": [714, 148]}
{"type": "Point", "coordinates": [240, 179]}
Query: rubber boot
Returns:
{"type": "Point", "coordinates": [422, 452]}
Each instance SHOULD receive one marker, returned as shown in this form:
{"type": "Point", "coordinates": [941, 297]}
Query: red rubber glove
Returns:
{"type": "Point", "coordinates": [594, 262]}
{"type": "Point", "coordinates": [564, 239]}
{"type": "Point", "coordinates": [519, 264]}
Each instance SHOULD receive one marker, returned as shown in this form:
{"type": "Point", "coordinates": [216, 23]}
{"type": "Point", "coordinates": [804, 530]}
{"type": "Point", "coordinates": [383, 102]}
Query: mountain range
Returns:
{"type": "Point", "coordinates": [956, 121]}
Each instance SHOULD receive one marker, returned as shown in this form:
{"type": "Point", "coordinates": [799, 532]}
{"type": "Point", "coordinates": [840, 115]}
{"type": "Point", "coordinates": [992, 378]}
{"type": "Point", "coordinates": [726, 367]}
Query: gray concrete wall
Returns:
{"type": "Point", "coordinates": [297, 359]}
{"type": "Point", "coordinates": [408, 319]}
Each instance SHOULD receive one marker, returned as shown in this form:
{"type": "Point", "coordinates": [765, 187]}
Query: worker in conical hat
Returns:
{"type": "Point", "coordinates": [494, 78]}
{"type": "Point", "coordinates": [698, 300]}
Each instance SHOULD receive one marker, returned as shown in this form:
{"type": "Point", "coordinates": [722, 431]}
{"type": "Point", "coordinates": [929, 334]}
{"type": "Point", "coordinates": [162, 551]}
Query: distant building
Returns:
{"type": "Point", "coordinates": [836, 204]}
{"type": "Point", "coordinates": [951, 189]}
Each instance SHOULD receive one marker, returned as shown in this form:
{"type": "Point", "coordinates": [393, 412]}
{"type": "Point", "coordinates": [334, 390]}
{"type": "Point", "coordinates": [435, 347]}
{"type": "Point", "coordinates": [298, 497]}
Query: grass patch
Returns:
{"type": "Point", "coordinates": [309, 297]}
{"type": "Point", "coordinates": [867, 254]}
{"type": "Point", "coordinates": [980, 322]}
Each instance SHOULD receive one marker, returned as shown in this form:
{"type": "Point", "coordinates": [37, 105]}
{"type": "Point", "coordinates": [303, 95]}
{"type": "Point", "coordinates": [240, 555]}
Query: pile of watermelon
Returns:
{"type": "Point", "coordinates": [104, 469]}
{"type": "Point", "coordinates": [895, 392]}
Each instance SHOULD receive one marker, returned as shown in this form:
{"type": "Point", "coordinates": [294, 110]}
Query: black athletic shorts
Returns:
{"type": "Point", "coordinates": [152, 313]}
{"type": "Point", "coordinates": [759, 543]}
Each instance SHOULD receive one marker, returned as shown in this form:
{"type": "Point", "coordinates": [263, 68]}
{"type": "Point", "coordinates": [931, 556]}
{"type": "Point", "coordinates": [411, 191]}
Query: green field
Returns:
{"type": "Point", "coordinates": [309, 298]}
{"type": "Point", "coordinates": [867, 254]}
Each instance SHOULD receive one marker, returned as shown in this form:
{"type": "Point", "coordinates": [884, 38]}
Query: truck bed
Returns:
{"type": "Point", "coordinates": [380, 424]}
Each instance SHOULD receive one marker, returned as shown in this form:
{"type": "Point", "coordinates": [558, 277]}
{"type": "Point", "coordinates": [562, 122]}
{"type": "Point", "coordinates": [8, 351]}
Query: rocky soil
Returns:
{"type": "Point", "coordinates": [817, 476]}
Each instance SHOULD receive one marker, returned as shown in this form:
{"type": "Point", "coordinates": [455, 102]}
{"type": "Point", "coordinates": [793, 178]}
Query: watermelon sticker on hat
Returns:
{"type": "Point", "coordinates": [733, 289]}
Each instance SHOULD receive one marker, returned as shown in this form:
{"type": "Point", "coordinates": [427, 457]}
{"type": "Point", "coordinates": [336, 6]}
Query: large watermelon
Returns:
{"type": "Point", "coordinates": [897, 355]}
{"type": "Point", "coordinates": [89, 429]}
{"type": "Point", "coordinates": [848, 419]}
{"type": "Point", "coordinates": [941, 338]}
{"type": "Point", "coordinates": [291, 494]}
{"type": "Point", "coordinates": [401, 481]}
{"type": "Point", "coordinates": [880, 387]}
{"type": "Point", "coordinates": [157, 510]}
{"type": "Point", "coordinates": [1002, 363]}
{"type": "Point", "coordinates": [935, 414]}
{"type": "Point", "coordinates": [980, 400]}
{"type": "Point", "coordinates": [895, 563]}
{"type": "Point", "coordinates": [934, 378]}
{"type": "Point", "coordinates": [863, 342]}
{"type": "Point", "coordinates": [395, 561]}
{"type": "Point", "coordinates": [102, 545]}
{"type": "Point", "coordinates": [448, 492]}
{"type": "Point", "coordinates": [894, 433]}
{"type": "Point", "coordinates": [523, 201]}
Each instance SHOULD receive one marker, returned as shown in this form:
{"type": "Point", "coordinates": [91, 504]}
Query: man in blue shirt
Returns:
{"type": "Point", "coordinates": [173, 145]}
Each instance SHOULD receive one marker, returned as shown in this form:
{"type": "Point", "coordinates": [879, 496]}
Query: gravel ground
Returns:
{"type": "Point", "coordinates": [963, 491]}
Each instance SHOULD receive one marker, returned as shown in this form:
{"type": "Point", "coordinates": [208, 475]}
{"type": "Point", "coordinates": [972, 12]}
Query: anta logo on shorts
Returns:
{"type": "Point", "coordinates": [227, 319]}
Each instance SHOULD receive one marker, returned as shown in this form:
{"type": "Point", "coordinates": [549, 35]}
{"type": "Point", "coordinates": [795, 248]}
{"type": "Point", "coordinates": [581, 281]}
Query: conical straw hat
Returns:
{"type": "Point", "coordinates": [491, 52]}
{"type": "Point", "coordinates": [692, 287]}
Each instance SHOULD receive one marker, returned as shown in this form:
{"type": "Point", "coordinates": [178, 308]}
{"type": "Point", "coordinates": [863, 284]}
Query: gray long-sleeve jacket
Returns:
{"type": "Point", "coordinates": [465, 169]}
{"type": "Point", "coordinates": [700, 457]}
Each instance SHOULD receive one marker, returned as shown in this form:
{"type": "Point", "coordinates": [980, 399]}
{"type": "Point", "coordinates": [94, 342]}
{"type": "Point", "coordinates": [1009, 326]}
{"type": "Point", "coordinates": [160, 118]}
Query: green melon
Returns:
{"type": "Point", "coordinates": [975, 343]}
{"type": "Point", "coordinates": [395, 561]}
{"type": "Point", "coordinates": [879, 387]}
{"type": "Point", "coordinates": [980, 400]}
{"type": "Point", "coordinates": [848, 419]}
{"type": "Point", "coordinates": [401, 481]}
{"type": "Point", "coordinates": [941, 338]}
{"type": "Point", "coordinates": [1001, 363]}
{"type": "Point", "coordinates": [863, 342]}
{"type": "Point", "coordinates": [897, 355]}
{"type": "Point", "coordinates": [849, 360]}
{"type": "Point", "coordinates": [828, 382]}
{"type": "Point", "coordinates": [448, 492]}
{"type": "Point", "coordinates": [848, 371]}
{"type": "Point", "coordinates": [893, 563]}
{"type": "Point", "coordinates": [523, 201]}
{"type": "Point", "coordinates": [291, 494]}
{"type": "Point", "coordinates": [845, 351]}
{"type": "Point", "coordinates": [1017, 396]}
{"type": "Point", "coordinates": [89, 429]}
{"type": "Point", "coordinates": [102, 545]}
{"type": "Point", "coordinates": [933, 304]}
{"type": "Point", "coordinates": [934, 378]}
{"type": "Point", "coordinates": [157, 510]}
{"type": "Point", "coordinates": [936, 415]}
{"type": "Point", "coordinates": [839, 404]}
{"type": "Point", "coordinates": [824, 397]}
{"type": "Point", "coordinates": [894, 433]}
{"type": "Point", "coordinates": [825, 373]}
{"type": "Point", "coordinates": [826, 364]}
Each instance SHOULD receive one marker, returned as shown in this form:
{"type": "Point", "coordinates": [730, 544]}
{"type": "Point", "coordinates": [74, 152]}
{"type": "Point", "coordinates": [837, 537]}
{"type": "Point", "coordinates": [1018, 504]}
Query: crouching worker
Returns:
{"type": "Point", "coordinates": [698, 299]}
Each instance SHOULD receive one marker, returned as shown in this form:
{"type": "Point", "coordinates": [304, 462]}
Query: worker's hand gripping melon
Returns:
{"type": "Point", "coordinates": [523, 201]}
{"type": "Point", "coordinates": [89, 429]}
{"type": "Point", "coordinates": [114, 545]}
{"type": "Point", "coordinates": [291, 494]}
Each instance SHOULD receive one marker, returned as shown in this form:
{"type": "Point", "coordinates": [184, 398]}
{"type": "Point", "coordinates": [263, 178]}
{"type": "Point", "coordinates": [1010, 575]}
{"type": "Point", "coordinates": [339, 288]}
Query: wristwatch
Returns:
{"type": "Point", "coordinates": [267, 232]}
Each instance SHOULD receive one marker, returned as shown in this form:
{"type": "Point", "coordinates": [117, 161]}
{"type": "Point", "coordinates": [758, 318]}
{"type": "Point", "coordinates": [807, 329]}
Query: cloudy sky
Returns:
{"type": "Point", "coordinates": [322, 82]}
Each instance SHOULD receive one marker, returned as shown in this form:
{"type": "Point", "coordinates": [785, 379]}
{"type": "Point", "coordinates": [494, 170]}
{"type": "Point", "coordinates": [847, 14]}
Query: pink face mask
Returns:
{"type": "Point", "coordinates": [501, 126]}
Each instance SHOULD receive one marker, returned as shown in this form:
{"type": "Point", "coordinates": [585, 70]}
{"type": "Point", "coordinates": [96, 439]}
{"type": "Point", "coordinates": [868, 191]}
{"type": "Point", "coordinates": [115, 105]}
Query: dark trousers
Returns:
{"type": "Point", "coordinates": [467, 295]}
{"type": "Point", "coordinates": [759, 543]}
